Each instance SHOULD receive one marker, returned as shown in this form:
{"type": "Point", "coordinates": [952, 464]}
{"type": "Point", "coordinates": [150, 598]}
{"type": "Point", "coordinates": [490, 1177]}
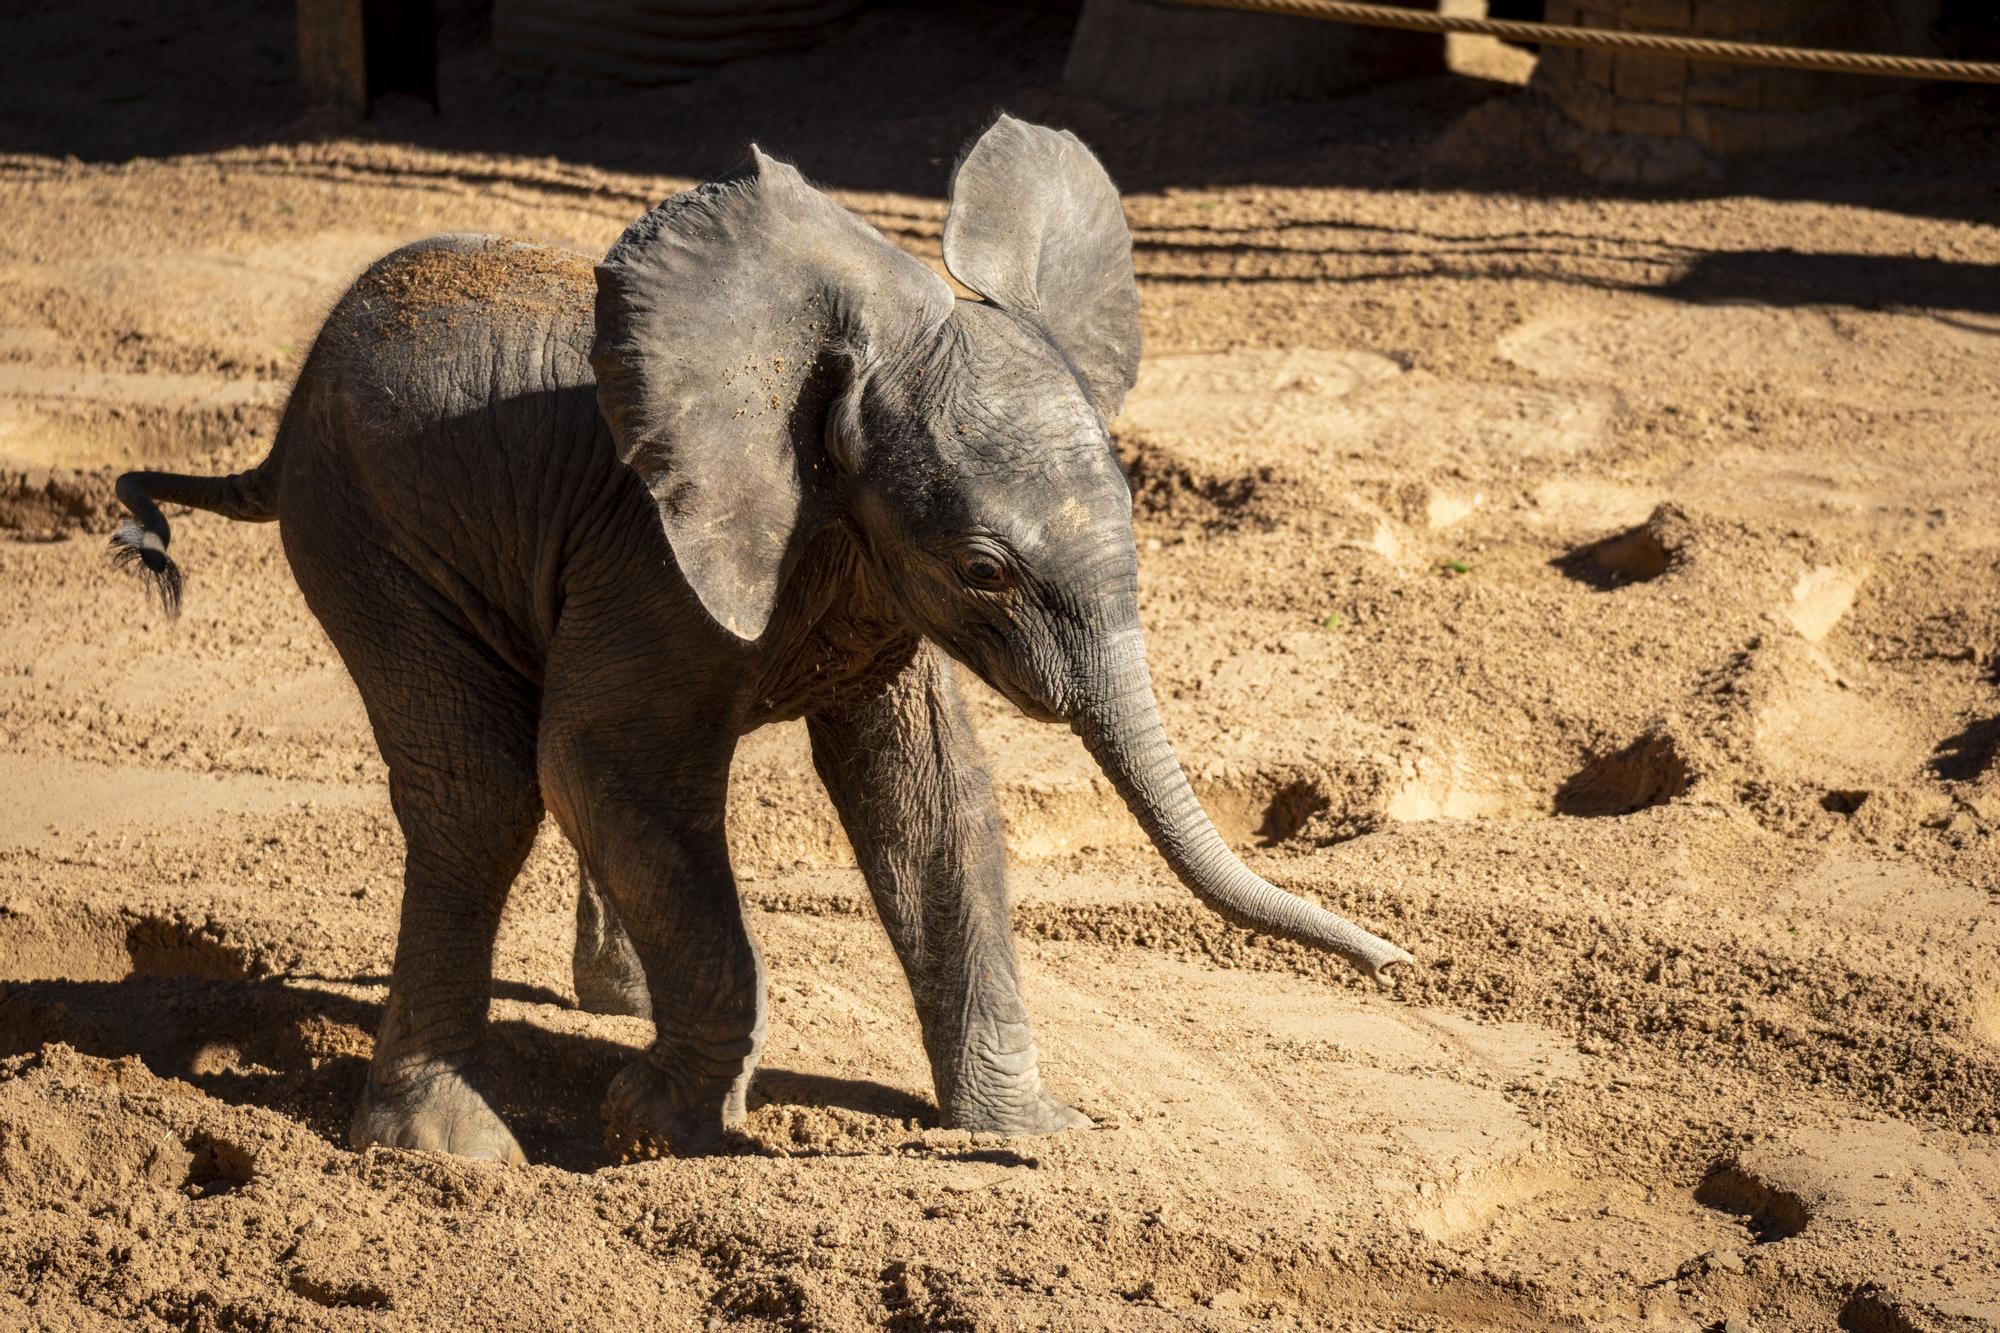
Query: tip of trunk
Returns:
{"type": "Point", "coordinates": [1383, 967]}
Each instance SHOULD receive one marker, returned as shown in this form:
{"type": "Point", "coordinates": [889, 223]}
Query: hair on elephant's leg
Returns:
{"type": "Point", "coordinates": [904, 770]}
{"type": "Point", "coordinates": [457, 731]}
{"type": "Point", "coordinates": [653, 835]}
{"type": "Point", "coordinates": [604, 966]}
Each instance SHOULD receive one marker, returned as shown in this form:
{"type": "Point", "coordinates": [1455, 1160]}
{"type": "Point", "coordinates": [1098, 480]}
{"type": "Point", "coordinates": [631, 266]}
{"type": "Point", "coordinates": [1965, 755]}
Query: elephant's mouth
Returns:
{"type": "Point", "coordinates": [1034, 709]}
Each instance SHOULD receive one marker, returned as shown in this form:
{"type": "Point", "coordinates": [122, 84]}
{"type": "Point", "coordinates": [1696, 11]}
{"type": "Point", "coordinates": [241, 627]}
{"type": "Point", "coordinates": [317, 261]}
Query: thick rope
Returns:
{"type": "Point", "coordinates": [1613, 39]}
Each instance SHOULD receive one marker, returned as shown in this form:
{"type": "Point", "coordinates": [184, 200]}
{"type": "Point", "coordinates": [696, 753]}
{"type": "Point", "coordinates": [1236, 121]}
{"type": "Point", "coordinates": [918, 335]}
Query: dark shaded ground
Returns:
{"type": "Point", "coordinates": [882, 105]}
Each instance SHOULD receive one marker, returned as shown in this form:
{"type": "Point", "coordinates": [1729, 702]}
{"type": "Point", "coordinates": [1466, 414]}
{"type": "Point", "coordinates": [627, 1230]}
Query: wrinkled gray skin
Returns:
{"type": "Point", "coordinates": [785, 474]}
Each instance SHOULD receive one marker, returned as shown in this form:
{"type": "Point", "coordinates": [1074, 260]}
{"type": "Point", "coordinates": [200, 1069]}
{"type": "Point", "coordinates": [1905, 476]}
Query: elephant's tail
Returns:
{"type": "Point", "coordinates": [141, 544]}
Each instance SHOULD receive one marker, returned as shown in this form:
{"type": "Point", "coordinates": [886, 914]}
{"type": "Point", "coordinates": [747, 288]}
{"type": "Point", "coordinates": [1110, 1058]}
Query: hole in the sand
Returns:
{"type": "Point", "coordinates": [1635, 556]}
{"type": "Point", "coordinates": [219, 1166]}
{"type": "Point", "coordinates": [1964, 756]}
{"type": "Point", "coordinates": [110, 946]}
{"type": "Point", "coordinates": [1291, 807]}
{"type": "Point", "coordinates": [918, 1297]}
{"type": "Point", "coordinates": [1650, 771]}
{"type": "Point", "coordinates": [1872, 1310]}
{"type": "Point", "coordinates": [162, 947]}
{"type": "Point", "coordinates": [1166, 487]}
{"type": "Point", "coordinates": [1770, 1212]}
{"type": "Point", "coordinates": [1286, 804]}
{"type": "Point", "coordinates": [51, 504]}
{"type": "Point", "coordinates": [1843, 801]}
{"type": "Point", "coordinates": [339, 1293]}
{"type": "Point", "coordinates": [763, 1296]}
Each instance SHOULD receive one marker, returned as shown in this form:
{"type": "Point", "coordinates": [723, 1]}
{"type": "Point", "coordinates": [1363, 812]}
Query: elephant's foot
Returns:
{"type": "Point", "coordinates": [434, 1112]}
{"type": "Point", "coordinates": [996, 1088]}
{"type": "Point", "coordinates": [1039, 1114]}
{"type": "Point", "coordinates": [649, 1112]}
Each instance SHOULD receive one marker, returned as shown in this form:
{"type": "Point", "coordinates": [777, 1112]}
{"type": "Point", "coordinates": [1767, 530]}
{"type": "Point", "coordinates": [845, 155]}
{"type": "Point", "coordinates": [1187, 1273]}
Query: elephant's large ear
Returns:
{"type": "Point", "coordinates": [1036, 229]}
{"type": "Point", "coordinates": [727, 320]}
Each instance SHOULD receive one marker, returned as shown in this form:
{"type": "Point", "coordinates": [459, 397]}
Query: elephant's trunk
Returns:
{"type": "Point", "coordinates": [1121, 727]}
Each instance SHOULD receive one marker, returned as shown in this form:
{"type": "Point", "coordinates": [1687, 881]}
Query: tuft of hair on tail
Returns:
{"type": "Point", "coordinates": [136, 549]}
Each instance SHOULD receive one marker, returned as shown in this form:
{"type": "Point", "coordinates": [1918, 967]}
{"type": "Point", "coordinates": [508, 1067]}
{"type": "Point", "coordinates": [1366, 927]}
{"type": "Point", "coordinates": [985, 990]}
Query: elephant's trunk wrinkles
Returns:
{"type": "Point", "coordinates": [1121, 728]}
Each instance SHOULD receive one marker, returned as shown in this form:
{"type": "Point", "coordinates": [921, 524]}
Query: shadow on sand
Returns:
{"type": "Point", "coordinates": [884, 104]}
{"type": "Point", "coordinates": [300, 1047]}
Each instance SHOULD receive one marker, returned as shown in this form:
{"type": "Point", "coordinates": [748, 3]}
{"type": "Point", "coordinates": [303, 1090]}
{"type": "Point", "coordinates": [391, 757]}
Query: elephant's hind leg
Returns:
{"type": "Point", "coordinates": [457, 730]}
{"type": "Point", "coordinates": [426, 1086]}
{"type": "Point", "coordinates": [464, 790]}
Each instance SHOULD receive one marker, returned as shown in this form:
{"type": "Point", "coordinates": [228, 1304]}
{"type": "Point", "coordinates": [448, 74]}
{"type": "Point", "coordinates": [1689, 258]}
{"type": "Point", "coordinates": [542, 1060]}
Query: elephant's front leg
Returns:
{"type": "Point", "coordinates": [652, 836]}
{"type": "Point", "coordinates": [904, 770]}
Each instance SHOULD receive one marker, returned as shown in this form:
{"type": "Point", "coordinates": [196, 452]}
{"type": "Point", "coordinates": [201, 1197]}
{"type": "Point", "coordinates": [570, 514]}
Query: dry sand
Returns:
{"type": "Point", "coordinates": [1594, 594]}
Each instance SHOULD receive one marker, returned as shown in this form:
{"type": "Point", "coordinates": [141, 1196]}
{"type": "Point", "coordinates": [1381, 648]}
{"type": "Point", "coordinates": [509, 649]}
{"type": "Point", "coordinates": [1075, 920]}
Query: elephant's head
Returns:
{"type": "Point", "coordinates": [769, 363]}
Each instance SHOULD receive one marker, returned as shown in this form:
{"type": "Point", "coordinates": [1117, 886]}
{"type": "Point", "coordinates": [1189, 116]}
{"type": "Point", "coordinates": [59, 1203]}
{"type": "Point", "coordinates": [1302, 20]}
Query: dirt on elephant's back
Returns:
{"type": "Point", "coordinates": [497, 275]}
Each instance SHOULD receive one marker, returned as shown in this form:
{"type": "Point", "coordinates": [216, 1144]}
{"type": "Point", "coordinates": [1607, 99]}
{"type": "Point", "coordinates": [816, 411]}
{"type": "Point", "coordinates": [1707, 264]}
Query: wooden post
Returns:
{"type": "Point", "coordinates": [333, 59]}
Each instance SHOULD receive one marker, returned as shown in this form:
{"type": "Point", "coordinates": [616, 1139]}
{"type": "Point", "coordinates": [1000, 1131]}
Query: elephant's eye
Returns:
{"type": "Point", "coordinates": [981, 570]}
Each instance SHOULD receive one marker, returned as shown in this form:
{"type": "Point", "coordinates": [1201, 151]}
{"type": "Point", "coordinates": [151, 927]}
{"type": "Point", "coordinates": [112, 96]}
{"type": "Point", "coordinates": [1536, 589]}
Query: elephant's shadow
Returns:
{"type": "Point", "coordinates": [299, 1047]}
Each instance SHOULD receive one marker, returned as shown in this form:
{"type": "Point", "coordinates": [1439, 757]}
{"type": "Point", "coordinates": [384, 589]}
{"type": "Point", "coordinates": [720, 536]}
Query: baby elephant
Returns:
{"type": "Point", "coordinates": [571, 556]}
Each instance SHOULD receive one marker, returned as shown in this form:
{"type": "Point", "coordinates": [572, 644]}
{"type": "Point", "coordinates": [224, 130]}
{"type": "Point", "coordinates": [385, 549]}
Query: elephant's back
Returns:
{"type": "Point", "coordinates": [447, 416]}
{"type": "Point", "coordinates": [453, 359]}
{"type": "Point", "coordinates": [437, 281]}
{"type": "Point", "coordinates": [421, 316]}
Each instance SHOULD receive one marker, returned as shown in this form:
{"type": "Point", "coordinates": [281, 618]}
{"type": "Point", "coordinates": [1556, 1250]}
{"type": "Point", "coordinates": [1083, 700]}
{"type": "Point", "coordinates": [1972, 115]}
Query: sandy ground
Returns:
{"type": "Point", "coordinates": [1593, 593]}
